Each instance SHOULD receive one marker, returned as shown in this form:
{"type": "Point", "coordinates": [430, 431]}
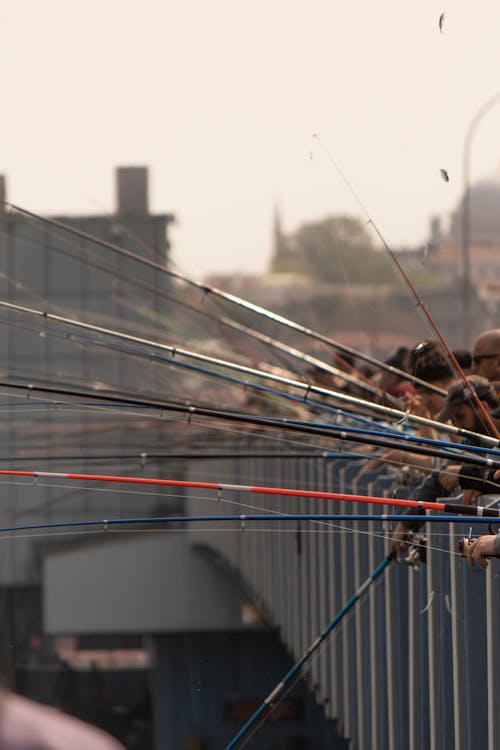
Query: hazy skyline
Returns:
{"type": "Point", "coordinates": [221, 101]}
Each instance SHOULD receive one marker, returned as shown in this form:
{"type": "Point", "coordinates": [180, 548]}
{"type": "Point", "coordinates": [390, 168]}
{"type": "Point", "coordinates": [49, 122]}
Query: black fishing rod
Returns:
{"type": "Point", "coordinates": [325, 431]}
{"type": "Point", "coordinates": [152, 456]}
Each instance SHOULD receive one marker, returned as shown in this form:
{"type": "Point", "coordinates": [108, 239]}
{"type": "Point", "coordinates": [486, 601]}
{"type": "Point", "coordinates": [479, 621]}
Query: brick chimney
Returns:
{"type": "Point", "coordinates": [132, 190]}
{"type": "Point", "coordinates": [3, 191]}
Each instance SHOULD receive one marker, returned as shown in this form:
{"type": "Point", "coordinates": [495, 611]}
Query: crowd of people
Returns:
{"type": "Point", "coordinates": [472, 404]}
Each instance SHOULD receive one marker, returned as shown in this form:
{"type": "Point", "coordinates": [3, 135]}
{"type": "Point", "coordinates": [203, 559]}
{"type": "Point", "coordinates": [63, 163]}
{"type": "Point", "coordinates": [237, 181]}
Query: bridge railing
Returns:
{"type": "Point", "coordinates": [417, 663]}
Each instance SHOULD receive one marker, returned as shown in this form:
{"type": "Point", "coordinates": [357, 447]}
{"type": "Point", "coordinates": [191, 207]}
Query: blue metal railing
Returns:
{"type": "Point", "coordinates": [417, 665]}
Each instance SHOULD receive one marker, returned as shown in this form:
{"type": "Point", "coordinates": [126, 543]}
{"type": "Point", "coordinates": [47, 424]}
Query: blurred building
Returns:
{"type": "Point", "coordinates": [442, 259]}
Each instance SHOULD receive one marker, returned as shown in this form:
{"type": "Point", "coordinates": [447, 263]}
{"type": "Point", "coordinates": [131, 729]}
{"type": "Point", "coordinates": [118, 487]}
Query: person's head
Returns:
{"type": "Point", "coordinates": [486, 355]}
{"type": "Point", "coordinates": [427, 362]}
{"type": "Point", "coordinates": [417, 352]}
{"type": "Point", "coordinates": [398, 358]}
{"type": "Point", "coordinates": [461, 407]}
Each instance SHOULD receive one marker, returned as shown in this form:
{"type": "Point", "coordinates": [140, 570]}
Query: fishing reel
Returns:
{"type": "Point", "coordinates": [463, 543]}
{"type": "Point", "coordinates": [416, 556]}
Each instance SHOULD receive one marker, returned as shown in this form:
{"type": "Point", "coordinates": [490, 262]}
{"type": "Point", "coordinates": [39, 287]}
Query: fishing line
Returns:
{"type": "Point", "coordinates": [339, 630]}
{"type": "Point", "coordinates": [326, 526]}
{"type": "Point", "coordinates": [293, 532]}
{"type": "Point", "coordinates": [487, 420]}
{"type": "Point", "coordinates": [208, 290]}
{"type": "Point", "coordinates": [221, 322]}
{"type": "Point", "coordinates": [329, 527]}
{"type": "Point", "coordinates": [175, 352]}
{"type": "Point", "coordinates": [219, 488]}
{"type": "Point", "coordinates": [297, 667]}
{"type": "Point", "coordinates": [214, 530]}
{"type": "Point", "coordinates": [326, 430]}
{"type": "Point", "coordinates": [331, 428]}
{"type": "Point", "coordinates": [456, 455]}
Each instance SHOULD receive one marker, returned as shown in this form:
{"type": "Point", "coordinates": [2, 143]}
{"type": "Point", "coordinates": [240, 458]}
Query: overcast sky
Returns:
{"type": "Point", "coordinates": [221, 98]}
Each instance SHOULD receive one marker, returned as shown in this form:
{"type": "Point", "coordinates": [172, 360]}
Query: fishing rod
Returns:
{"type": "Point", "coordinates": [145, 456]}
{"type": "Point", "coordinates": [240, 328]}
{"type": "Point", "coordinates": [106, 524]}
{"type": "Point", "coordinates": [177, 351]}
{"type": "Point", "coordinates": [266, 706]}
{"type": "Point", "coordinates": [405, 438]}
{"type": "Point", "coordinates": [327, 430]}
{"type": "Point", "coordinates": [418, 299]}
{"type": "Point", "coordinates": [243, 518]}
{"type": "Point", "coordinates": [213, 291]}
{"type": "Point", "coordinates": [343, 433]}
{"type": "Point", "coordinates": [220, 487]}
{"type": "Point", "coordinates": [353, 431]}
{"type": "Point", "coordinates": [319, 405]}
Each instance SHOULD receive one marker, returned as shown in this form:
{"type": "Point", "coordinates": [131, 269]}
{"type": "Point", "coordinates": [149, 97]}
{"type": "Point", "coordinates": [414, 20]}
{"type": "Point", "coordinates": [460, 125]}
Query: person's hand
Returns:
{"type": "Point", "coordinates": [470, 497]}
{"type": "Point", "coordinates": [448, 478]}
{"type": "Point", "coordinates": [479, 549]}
{"type": "Point", "coordinates": [399, 541]}
{"type": "Point", "coordinates": [496, 475]}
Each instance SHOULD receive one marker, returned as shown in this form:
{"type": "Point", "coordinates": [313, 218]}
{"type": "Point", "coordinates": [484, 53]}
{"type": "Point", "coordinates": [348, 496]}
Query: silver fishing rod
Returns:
{"type": "Point", "coordinates": [175, 352]}
{"type": "Point", "coordinates": [270, 342]}
{"type": "Point", "coordinates": [208, 289]}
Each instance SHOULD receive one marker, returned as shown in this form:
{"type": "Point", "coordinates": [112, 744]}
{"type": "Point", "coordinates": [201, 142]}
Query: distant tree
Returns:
{"type": "Point", "coordinates": [334, 249]}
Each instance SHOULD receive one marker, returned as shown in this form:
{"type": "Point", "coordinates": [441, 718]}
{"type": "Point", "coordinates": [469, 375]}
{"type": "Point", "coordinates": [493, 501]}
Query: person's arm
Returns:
{"type": "Point", "coordinates": [399, 541]}
{"type": "Point", "coordinates": [429, 490]}
{"type": "Point", "coordinates": [448, 478]}
{"type": "Point", "coordinates": [397, 457]}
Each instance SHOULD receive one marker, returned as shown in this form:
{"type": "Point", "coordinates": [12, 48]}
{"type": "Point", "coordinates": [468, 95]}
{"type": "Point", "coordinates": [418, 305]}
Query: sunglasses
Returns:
{"type": "Point", "coordinates": [477, 359]}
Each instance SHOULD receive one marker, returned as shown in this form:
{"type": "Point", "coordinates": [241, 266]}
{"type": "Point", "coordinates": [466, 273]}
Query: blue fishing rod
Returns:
{"type": "Point", "coordinates": [458, 450]}
{"type": "Point", "coordinates": [268, 703]}
{"type": "Point", "coordinates": [405, 438]}
{"type": "Point", "coordinates": [105, 524]}
{"type": "Point", "coordinates": [266, 389]}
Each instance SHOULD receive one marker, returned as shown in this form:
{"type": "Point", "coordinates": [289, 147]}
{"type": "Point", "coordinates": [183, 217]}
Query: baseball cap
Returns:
{"type": "Point", "coordinates": [460, 392]}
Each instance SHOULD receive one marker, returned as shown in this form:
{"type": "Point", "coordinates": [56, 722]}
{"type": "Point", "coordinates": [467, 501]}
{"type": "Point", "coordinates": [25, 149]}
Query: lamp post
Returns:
{"type": "Point", "coordinates": [466, 282]}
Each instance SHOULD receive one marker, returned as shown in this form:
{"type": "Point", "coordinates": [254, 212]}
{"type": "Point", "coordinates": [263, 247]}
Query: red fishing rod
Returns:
{"type": "Point", "coordinates": [219, 487]}
{"type": "Point", "coordinates": [472, 395]}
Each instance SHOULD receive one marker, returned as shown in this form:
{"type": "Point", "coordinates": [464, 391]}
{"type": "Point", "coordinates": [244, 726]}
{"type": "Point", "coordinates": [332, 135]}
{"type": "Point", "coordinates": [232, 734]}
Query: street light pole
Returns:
{"type": "Point", "coordinates": [466, 206]}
